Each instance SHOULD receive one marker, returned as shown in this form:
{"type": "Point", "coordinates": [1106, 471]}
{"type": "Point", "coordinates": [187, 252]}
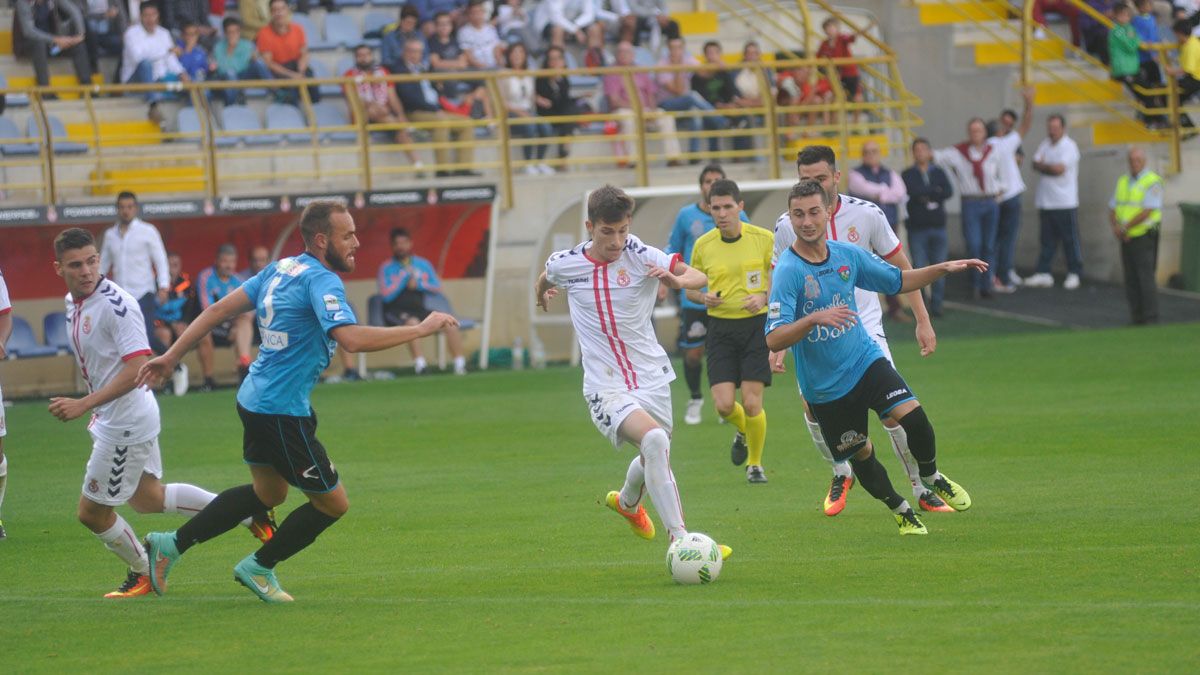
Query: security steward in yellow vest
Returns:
{"type": "Point", "coordinates": [1135, 212]}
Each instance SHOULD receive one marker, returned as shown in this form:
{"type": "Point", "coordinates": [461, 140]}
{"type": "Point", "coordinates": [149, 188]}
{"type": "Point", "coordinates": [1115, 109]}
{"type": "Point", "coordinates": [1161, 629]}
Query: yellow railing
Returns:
{"type": "Point", "coordinates": [53, 178]}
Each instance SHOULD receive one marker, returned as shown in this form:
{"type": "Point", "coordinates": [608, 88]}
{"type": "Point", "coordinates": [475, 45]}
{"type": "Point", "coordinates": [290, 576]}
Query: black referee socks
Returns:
{"type": "Point", "coordinates": [298, 530]}
{"type": "Point", "coordinates": [921, 441]}
{"type": "Point", "coordinates": [222, 514]}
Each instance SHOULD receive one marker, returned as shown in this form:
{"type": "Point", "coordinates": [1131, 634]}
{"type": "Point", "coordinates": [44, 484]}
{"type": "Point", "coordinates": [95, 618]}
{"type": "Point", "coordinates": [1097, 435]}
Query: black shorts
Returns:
{"type": "Point", "coordinates": [737, 351]}
{"type": "Point", "coordinates": [844, 421]}
{"type": "Point", "coordinates": [850, 84]}
{"type": "Point", "coordinates": [289, 445]}
{"type": "Point", "coordinates": [406, 307]}
{"type": "Point", "coordinates": [693, 327]}
{"type": "Point", "coordinates": [221, 334]}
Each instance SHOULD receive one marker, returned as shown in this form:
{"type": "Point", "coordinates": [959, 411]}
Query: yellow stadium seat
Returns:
{"type": "Point", "coordinates": [119, 133]}
{"type": "Point", "coordinates": [6, 46]}
{"type": "Point", "coordinates": [28, 81]}
{"type": "Point", "coordinates": [1077, 91]}
{"type": "Point", "coordinates": [152, 179]}
{"type": "Point", "coordinates": [696, 23]}
{"type": "Point", "coordinates": [1122, 132]}
{"type": "Point", "coordinates": [941, 13]}
{"type": "Point", "coordinates": [1007, 53]}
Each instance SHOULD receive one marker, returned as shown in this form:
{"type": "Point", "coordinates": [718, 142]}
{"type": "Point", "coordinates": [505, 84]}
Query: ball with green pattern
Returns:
{"type": "Point", "coordinates": [694, 559]}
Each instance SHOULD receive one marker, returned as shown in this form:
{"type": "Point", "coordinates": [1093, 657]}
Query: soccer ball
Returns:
{"type": "Point", "coordinates": [694, 558]}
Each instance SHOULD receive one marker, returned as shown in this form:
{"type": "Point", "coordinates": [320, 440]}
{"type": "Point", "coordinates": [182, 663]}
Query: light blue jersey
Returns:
{"type": "Point", "coordinates": [298, 301]}
{"type": "Point", "coordinates": [829, 361]}
{"type": "Point", "coordinates": [690, 224]}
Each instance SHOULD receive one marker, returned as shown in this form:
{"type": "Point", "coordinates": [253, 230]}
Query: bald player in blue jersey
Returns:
{"type": "Point", "coordinates": [302, 314]}
{"type": "Point", "coordinates": [842, 371]}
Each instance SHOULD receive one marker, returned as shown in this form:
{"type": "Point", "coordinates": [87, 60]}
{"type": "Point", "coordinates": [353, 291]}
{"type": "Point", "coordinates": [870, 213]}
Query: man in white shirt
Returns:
{"type": "Point", "coordinates": [1008, 143]}
{"type": "Point", "coordinates": [150, 54]}
{"type": "Point", "coordinates": [1057, 160]}
{"type": "Point", "coordinates": [6, 324]}
{"type": "Point", "coordinates": [479, 39]}
{"type": "Point", "coordinates": [974, 166]}
{"type": "Point", "coordinates": [133, 255]}
{"type": "Point", "coordinates": [556, 20]}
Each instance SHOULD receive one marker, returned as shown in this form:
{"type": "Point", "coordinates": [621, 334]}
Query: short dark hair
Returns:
{"type": "Point", "coordinates": [147, 4]}
{"type": "Point", "coordinates": [552, 48]}
{"type": "Point", "coordinates": [126, 195]}
{"type": "Point", "coordinates": [815, 154]}
{"type": "Point", "coordinates": [827, 22]}
{"type": "Point", "coordinates": [71, 239]}
{"type": "Point", "coordinates": [921, 140]}
{"type": "Point", "coordinates": [230, 21]}
{"type": "Point", "coordinates": [317, 218]}
{"type": "Point", "coordinates": [437, 15]}
{"type": "Point", "coordinates": [1058, 116]}
{"type": "Point", "coordinates": [226, 249]}
{"type": "Point", "coordinates": [1122, 7]}
{"type": "Point", "coordinates": [407, 11]}
{"type": "Point", "coordinates": [992, 127]}
{"type": "Point", "coordinates": [398, 232]}
{"type": "Point", "coordinates": [711, 43]}
{"type": "Point", "coordinates": [807, 188]}
{"type": "Point", "coordinates": [1009, 112]}
{"type": "Point", "coordinates": [474, 3]}
{"type": "Point", "coordinates": [609, 204]}
{"type": "Point", "coordinates": [1182, 27]}
{"type": "Point", "coordinates": [365, 46]}
{"type": "Point", "coordinates": [272, 3]}
{"type": "Point", "coordinates": [725, 188]}
{"type": "Point", "coordinates": [711, 168]}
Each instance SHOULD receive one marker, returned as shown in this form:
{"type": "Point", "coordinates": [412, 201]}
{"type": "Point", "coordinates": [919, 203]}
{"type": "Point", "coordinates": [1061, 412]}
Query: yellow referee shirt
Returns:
{"type": "Point", "coordinates": [735, 269]}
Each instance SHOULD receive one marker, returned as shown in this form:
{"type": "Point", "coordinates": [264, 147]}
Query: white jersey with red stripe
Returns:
{"type": "Point", "coordinates": [5, 303]}
{"type": "Point", "coordinates": [612, 308]}
{"type": "Point", "coordinates": [858, 222]}
{"type": "Point", "coordinates": [107, 330]}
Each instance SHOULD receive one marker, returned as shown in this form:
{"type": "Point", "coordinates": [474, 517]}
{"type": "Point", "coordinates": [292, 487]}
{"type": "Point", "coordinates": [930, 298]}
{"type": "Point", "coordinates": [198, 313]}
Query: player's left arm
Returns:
{"type": "Point", "coordinates": [926, 337]}
{"type": "Point", "coordinates": [67, 409]}
{"type": "Point", "coordinates": [680, 275]}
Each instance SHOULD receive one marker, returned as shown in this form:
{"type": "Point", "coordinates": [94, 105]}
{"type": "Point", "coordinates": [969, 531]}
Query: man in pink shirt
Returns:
{"type": "Point", "coordinates": [647, 91]}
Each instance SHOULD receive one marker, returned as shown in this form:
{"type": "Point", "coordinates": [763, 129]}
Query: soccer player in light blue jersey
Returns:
{"type": "Point", "coordinates": [302, 315]}
{"type": "Point", "coordinates": [841, 370]}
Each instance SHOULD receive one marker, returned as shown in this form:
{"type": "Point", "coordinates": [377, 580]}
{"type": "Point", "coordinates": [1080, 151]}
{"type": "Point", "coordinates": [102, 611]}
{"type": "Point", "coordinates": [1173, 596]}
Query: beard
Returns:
{"type": "Point", "coordinates": [337, 262]}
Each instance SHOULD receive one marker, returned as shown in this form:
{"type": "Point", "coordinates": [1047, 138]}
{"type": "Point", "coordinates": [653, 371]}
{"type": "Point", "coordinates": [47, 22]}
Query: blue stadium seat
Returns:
{"type": "Point", "coordinates": [9, 132]}
{"type": "Point", "coordinates": [189, 122]}
{"type": "Point", "coordinates": [375, 310]}
{"type": "Point", "coordinates": [57, 131]}
{"type": "Point", "coordinates": [14, 100]}
{"type": "Point", "coordinates": [54, 328]}
{"type": "Point", "coordinates": [281, 116]}
{"type": "Point", "coordinates": [241, 118]}
{"type": "Point", "coordinates": [388, 3]}
{"type": "Point", "coordinates": [373, 25]}
{"type": "Point", "coordinates": [22, 344]}
{"type": "Point", "coordinates": [436, 302]}
{"type": "Point", "coordinates": [341, 29]}
{"type": "Point", "coordinates": [349, 3]}
{"type": "Point", "coordinates": [321, 70]}
{"type": "Point", "coordinates": [333, 115]}
{"type": "Point", "coordinates": [313, 34]}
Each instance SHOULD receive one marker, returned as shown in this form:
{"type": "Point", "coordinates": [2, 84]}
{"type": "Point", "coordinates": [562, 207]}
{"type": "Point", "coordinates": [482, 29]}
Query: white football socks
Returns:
{"type": "Point", "coordinates": [814, 430]}
{"type": "Point", "coordinates": [635, 483]}
{"type": "Point", "coordinates": [188, 500]}
{"type": "Point", "coordinates": [656, 452]}
{"type": "Point", "coordinates": [3, 477]}
{"type": "Point", "coordinates": [121, 540]}
{"type": "Point", "coordinates": [904, 507]}
{"type": "Point", "coordinates": [900, 447]}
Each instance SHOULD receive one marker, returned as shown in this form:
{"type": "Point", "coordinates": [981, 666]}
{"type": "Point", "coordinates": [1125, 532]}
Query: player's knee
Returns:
{"type": "Point", "coordinates": [918, 428]}
{"type": "Point", "coordinates": [864, 453]}
{"type": "Point", "coordinates": [655, 446]}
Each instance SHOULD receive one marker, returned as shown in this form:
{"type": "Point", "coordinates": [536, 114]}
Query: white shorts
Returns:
{"type": "Point", "coordinates": [610, 408]}
{"type": "Point", "coordinates": [3, 427]}
{"type": "Point", "coordinates": [113, 471]}
{"type": "Point", "coordinates": [880, 339]}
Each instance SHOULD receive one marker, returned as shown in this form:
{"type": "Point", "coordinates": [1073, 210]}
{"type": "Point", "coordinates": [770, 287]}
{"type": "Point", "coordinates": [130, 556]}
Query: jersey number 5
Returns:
{"type": "Point", "coordinates": [268, 304]}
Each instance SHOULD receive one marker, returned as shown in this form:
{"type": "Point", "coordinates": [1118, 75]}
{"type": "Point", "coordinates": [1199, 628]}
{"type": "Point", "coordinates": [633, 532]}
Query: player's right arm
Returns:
{"type": "Point", "coordinates": [6, 321]}
{"type": "Point", "coordinates": [159, 369]}
{"type": "Point", "coordinates": [922, 277]}
{"type": "Point", "coordinates": [67, 409]}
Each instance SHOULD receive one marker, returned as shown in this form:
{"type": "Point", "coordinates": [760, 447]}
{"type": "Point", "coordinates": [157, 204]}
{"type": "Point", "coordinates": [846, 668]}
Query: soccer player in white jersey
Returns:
{"type": "Point", "coordinates": [611, 283]}
{"type": "Point", "coordinates": [6, 324]}
{"type": "Point", "coordinates": [863, 224]}
{"type": "Point", "coordinates": [108, 337]}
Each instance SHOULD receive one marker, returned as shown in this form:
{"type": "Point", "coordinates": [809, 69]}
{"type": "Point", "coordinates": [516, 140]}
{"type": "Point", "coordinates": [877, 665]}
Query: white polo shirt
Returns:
{"type": "Point", "coordinates": [136, 260]}
{"type": "Point", "coordinates": [1062, 191]}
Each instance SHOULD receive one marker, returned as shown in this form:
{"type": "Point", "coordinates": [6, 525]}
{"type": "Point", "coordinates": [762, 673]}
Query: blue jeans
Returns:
{"type": "Point", "coordinates": [144, 74]}
{"type": "Point", "coordinates": [928, 247]}
{"type": "Point", "coordinates": [694, 101]}
{"type": "Point", "coordinates": [254, 71]}
{"type": "Point", "coordinates": [532, 130]}
{"type": "Point", "coordinates": [1006, 236]}
{"type": "Point", "coordinates": [980, 218]}
{"type": "Point", "coordinates": [1060, 225]}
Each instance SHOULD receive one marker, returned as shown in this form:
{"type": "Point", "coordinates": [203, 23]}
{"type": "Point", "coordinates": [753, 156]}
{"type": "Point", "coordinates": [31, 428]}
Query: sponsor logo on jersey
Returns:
{"type": "Point", "coordinates": [852, 235]}
{"type": "Point", "coordinates": [844, 272]}
{"type": "Point", "coordinates": [331, 303]}
{"type": "Point", "coordinates": [290, 266]}
{"type": "Point", "coordinates": [754, 279]}
{"type": "Point", "coordinates": [894, 394]}
{"type": "Point", "coordinates": [273, 339]}
{"type": "Point", "coordinates": [812, 289]}
{"type": "Point", "coordinates": [623, 277]}
{"type": "Point", "coordinates": [87, 325]}
{"type": "Point", "coordinates": [773, 310]}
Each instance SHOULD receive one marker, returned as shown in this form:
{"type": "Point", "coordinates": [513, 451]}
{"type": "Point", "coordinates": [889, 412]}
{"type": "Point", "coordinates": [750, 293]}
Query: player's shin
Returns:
{"type": "Point", "coordinates": [121, 540]}
{"type": "Point", "coordinates": [660, 481]}
{"type": "Point", "coordinates": [814, 430]}
{"type": "Point", "coordinates": [921, 443]}
{"type": "Point", "coordinates": [899, 440]}
{"type": "Point", "coordinates": [298, 530]}
{"type": "Point", "coordinates": [635, 483]}
{"type": "Point", "coordinates": [184, 499]}
{"type": "Point", "coordinates": [222, 514]}
{"type": "Point", "coordinates": [874, 479]}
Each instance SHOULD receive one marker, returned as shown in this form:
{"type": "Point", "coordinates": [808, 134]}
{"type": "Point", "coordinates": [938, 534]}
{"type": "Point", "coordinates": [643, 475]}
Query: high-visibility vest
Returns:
{"type": "Point", "coordinates": [1130, 197]}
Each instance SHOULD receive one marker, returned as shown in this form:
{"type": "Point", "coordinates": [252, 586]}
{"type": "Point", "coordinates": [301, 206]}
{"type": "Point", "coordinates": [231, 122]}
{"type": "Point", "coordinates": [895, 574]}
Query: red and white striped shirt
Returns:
{"type": "Point", "coordinates": [107, 330]}
{"type": "Point", "coordinates": [612, 308]}
{"type": "Point", "coordinates": [5, 303]}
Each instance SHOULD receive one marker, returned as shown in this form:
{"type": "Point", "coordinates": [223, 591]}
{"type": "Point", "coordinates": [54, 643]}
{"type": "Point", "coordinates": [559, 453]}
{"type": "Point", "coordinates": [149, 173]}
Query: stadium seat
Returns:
{"type": "Point", "coordinates": [341, 29]}
{"type": "Point", "coordinates": [373, 25]}
{"type": "Point", "coordinates": [54, 328]}
{"type": "Point", "coordinates": [320, 70]}
{"type": "Point", "coordinates": [22, 344]}
{"type": "Point", "coordinates": [282, 116]}
{"type": "Point", "coordinates": [375, 310]}
{"type": "Point", "coordinates": [57, 132]}
{"type": "Point", "coordinates": [349, 3]}
{"type": "Point", "coordinates": [579, 81]}
{"type": "Point", "coordinates": [333, 115]}
{"type": "Point", "coordinates": [189, 122]}
{"type": "Point", "coordinates": [436, 302]}
{"type": "Point", "coordinates": [241, 118]}
{"type": "Point", "coordinates": [9, 132]}
{"type": "Point", "coordinates": [14, 100]}
{"type": "Point", "coordinates": [387, 3]}
{"type": "Point", "coordinates": [313, 34]}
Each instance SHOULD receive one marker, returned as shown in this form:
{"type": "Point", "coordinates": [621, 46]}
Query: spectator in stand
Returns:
{"type": "Point", "coordinates": [1095, 34]}
{"type": "Point", "coordinates": [716, 84]}
{"type": "Point", "coordinates": [260, 257]}
{"type": "Point", "coordinates": [797, 87]}
{"type": "Point", "coordinates": [395, 35]}
{"type": "Point", "coordinates": [1188, 71]}
{"type": "Point", "coordinates": [479, 40]}
{"type": "Point", "coordinates": [647, 93]}
{"type": "Point", "coordinates": [429, 9]}
{"type": "Point", "coordinates": [558, 20]}
{"type": "Point", "coordinates": [421, 102]}
{"type": "Point", "coordinates": [1135, 212]}
{"type": "Point", "coordinates": [233, 59]}
{"type": "Point", "coordinates": [1065, 9]}
{"type": "Point", "coordinates": [1057, 199]}
{"type": "Point", "coordinates": [511, 20]}
{"type": "Point", "coordinates": [883, 187]}
{"type": "Point", "coordinates": [284, 49]}
{"type": "Point", "coordinates": [255, 14]}
{"type": "Point", "coordinates": [192, 56]}
{"type": "Point", "coordinates": [675, 94]}
{"type": "Point", "coordinates": [596, 55]}
{"type": "Point", "coordinates": [50, 27]}
{"type": "Point", "coordinates": [379, 99]}
{"type": "Point", "coordinates": [178, 14]}
{"type": "Point", "coordinates": [106, 23]}
{"type": "Point", "coordinates": [554, 98]}
{"type": "Point", "coordinates": [446, 56]}
{"type": "Point", "coordinates": [1007, 142]}
{"type": "Point", "coordinates": [749, 86]}
{"type": "Point", "coordinates": [212, 284]}
{"type": "Point", "coordinates": [302, 6]}
{"type": "Point", "coordinates": [1125, 64]}
{"type": "Point", "coordinates": [134, 257]}
{"type": "Point", "coordinates": [521, 100]}
{"type": "Point", "coordinates": [1145, 23]}
{"type": "Point", "coordinates": [150, 55]}
{"type": "Point", "coordinates": [639, 17]}
{"type": "Point", "coordinates": [836, 45]}
{"type": "Point", "coordinates": [928, 189]}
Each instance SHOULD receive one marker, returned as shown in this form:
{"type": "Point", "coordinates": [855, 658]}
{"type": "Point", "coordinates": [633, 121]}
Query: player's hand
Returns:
{"type": "Point", "coordinates": [956, 266]}
{"type": "Point", "coordinates": [754, 302]}
{"type": "Point", "coordinates": [435, 322]}
{"type": "Point", "coordinates": [544, 299]}
{"type": "Point", "coordinates": [67, 409]}
{"type": "Point", "coordinates": [776, 361]}
{"type": "Point", "coordinates": [665, 277]}
{"type": "Point", "coordinates": [835, 317]}
{"type": "Point", "coordinates": [154, 372]}
{"type": "Point", "coordinates": [926, 338]}
{"type": "Point", "coordinates": [711, 299]}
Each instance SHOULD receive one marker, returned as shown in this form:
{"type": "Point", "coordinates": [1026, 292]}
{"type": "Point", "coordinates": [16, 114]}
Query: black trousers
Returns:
{"type": "Point", "coordinates": [1139, 257]}
{"type": "Point", "coordinates": [39, 53]}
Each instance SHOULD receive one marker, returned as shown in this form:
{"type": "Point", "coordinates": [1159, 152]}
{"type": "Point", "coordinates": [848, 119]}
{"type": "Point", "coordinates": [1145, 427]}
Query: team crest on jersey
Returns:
{"type": "Point", "coordinates": [844, 272]}
{"type": "Point", "coordinates": [93, 486]}
{"type": "Point", "coordinates": [87, 325]}
{"type": "Point", "coordinates": [812, 289]}
{"type": "Point", "coordinates": [852, 235]}
{"type": "Point", "coordinates": [623, 277]}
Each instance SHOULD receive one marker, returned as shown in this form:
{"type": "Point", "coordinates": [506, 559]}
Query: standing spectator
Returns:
{"type": "Point", "coordinates": [979, 180]}
{"type": "Point", "coordinates": [1135, 212]}
{"type": "Point", "coordinates": [554, 98]}
{"type": "Point", "coordinates": [446, 56]}
{"type": "Point", "coordinates": [150, 55]}
{"type": "Point", "coordinates": [479, 39]}
{"type": "Point", "coordinates": [647, 93]}
{"type": "Point", "coordinates": [1125, 64]}
{"type": "Point", "coordinates": [420, 101]}
{"type": "Point", "coordinates": [1188, 71]}
{"type": "Point", "coordinates": [1065, 9]}
{"type": "Point", "coordinates": [519, 95]}
{"type": "Point", "coordinates": [408, 28]}
{"type": "Point", "coordinates": [717, 86]}
{"type": "Point", "coordinates": [640, 17]}
{"type": "Point", "coordinates": [1145, 23]}
{"type": "Point", "coordinates": [1057, 160]}
{"type": "Point", "coordinates": [379, 99]}
{"type": "Point", "coordinates": [883, 187]}
{"type": "Point", "coordinates": [559, 19]}
{"type": "Point", "coordinates": [214, 283]}
{"type": "Point", "coordinates": [178, 14]}
{"type": "Point", "coordinates": [106, 23]}
{"type": "Point", "coordinates": [284, 49]}
{"type": "Point", "coordinates": [1095, 34]}
{"type": "Point", "coordinates": [192, 56]}
{"type": "Point", "coordinates": [255, 14]}
{"type": "Point", "coordinates": [675, 94]}
{"type": "Point", "coordinates": [233, 59]}
{"type": "Point", "coordinates": [47, 28]}
{"type": "Point", "coordinates": [928, 189]}
{"type": "Point", "coordinates": [134, 257]}
{"type": "Point", "coordinates": [1007, 142]}
{"type": "Point", "coordinates": [836, 45]}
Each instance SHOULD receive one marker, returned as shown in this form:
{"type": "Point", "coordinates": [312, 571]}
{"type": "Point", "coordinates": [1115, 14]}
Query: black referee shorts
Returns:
{"type": "Point", "coordinates": [289, 445]}
{"type": "Point", "coordinates": [844, 421]}
{"type": "Point", "coordinates": [737, 350]}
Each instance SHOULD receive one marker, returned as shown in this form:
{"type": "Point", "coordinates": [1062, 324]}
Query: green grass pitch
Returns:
{"type": "Point", "coordinates": [476, 539]}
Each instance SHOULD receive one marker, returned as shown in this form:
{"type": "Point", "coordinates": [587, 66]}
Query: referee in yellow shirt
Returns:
{"type": "Point", "coordinates": [736, 256]}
